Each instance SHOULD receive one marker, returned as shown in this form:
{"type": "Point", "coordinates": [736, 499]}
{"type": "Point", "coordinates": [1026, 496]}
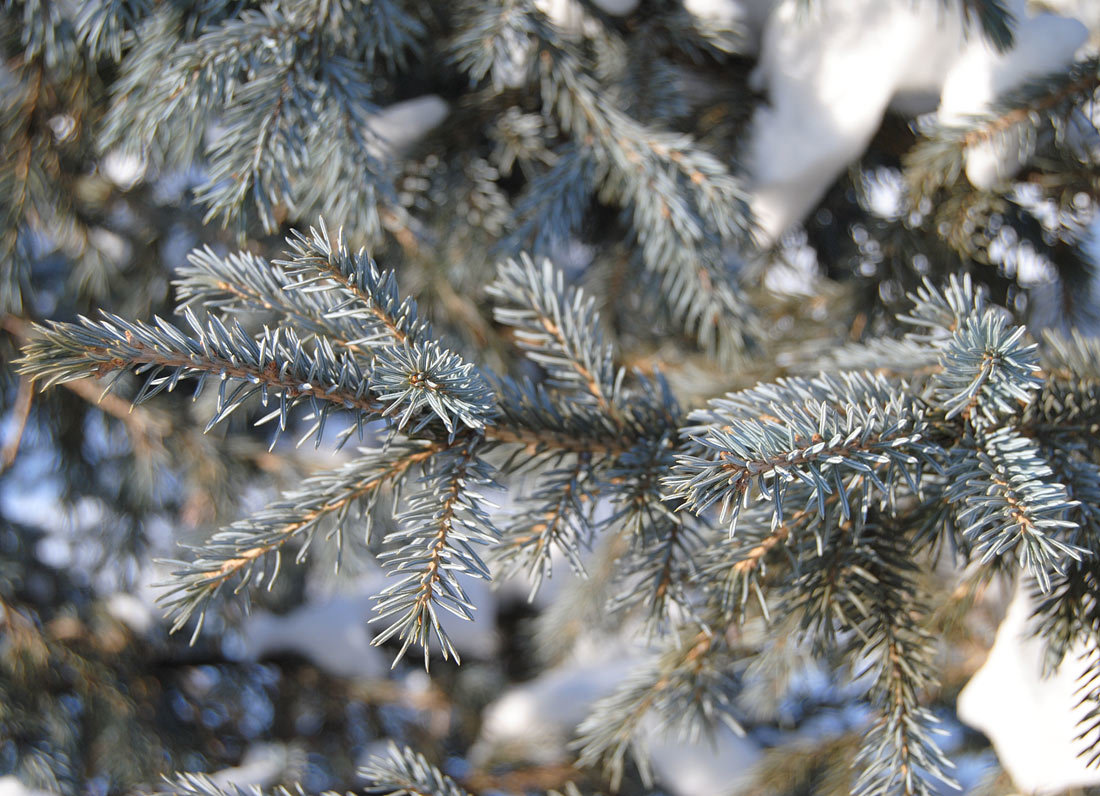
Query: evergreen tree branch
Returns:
{"type": "Point", "coordinates": [253, 155]}
{"type": "Point", "coordinates": [659, 565]}
{"type": "Point", "coordinates": [245, 283]}
{"type": "Point", "coordinates": [275, 78]}
{"type": "Point", "coordinates": [690, 687]}
{"type": "Point", "coordinates": [556, 517]}
{"type": "Point", "coordinates": [1006, 504]}
{"type": "Point", "coordinates": [507, 430]}
{"type": "Point", "coordinates": [985, 371]}
{"type": "Point", "coordinates": [940, 313]}
{"type": "Point", "coordinates": [192, 784]}
{"type": "Point", "coordinates": [432, 547]}
{"type": "Point", "coordinates": [1071, 357]}
{"type": "Point", "coordinates": [683, 202]}
{"type": "Point", "coordinates": [658, 568]}
{"type": "Point", "coordinates": [276, 363]}
{"type": "Point", "coordinates": [1043, 103]}
{"type": "Point", "coordinates": [370, 297]}
{"type": "Point", "coordinates": [810, 433]}
{"type": "Point", "coordinates": [993, 17]}
{"type": "Point", "coordinates": [899, 752]}
{"type": "Point", "coordinates": [558, 327]}
{"type": "Point", "coordinates": [104, 26]}
{"type": "Point", "coordinates": [249, 550]}
{"type": "Point", "coordinates": [406, 375]}
{"type": "Point", "coordinates": [862, 582]}
{"type": "Point", "coordinates": [403, 772]}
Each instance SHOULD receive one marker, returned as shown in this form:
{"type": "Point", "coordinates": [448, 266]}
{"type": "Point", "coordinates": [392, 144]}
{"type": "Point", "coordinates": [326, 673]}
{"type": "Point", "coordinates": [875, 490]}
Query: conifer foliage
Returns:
{"type": "Point", "coordinates": [815, 496]}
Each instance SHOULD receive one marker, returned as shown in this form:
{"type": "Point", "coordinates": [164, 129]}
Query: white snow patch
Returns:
{"type": "Point", "coordinates": [1031, 720]}
{"type": "Point", "coordinates": [831, 72]}
{"type": "Point", "coordinates": [63, 126]}
{"type": "Point", "coordinates": [617, 8]}
{"type": "Point", "coordinates": [124, 170]}
{"type": "Point", "coordinates": [723, 764]}
{"type": "Point", "coordinates": [10, 786]}
{"type": "Point", "coordinates": [1087, 11]}
{"type": "Point", "coordinates": [885, 193]}
{"type": "Point", "coordinates": [262, 765]}
{"type": "Point", "coordinates": [535, 721]}
{"type": "Point", "coordinates": [1044, 43]}
{"type": "Point", "coordinates": [568, 15]}
{"type": "Point", "coordinates": [335, 632]}
{"type": "Point", "coordinates": [111, 245]}
{"type": "Point", "coordinates": [796, 272]}
{"type": "Point", "coordinates": [749, 16]}
{"type": "Point", "coordinates": [401, 124]}
{"type": "Point", "coordinates": [131, 611]}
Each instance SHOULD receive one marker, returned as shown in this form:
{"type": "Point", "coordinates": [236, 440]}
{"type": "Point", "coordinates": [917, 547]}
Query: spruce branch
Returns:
{"type": "Point", "coordinates": [288, 87]}
{"type": "Point", "coordinates": [658, 569]}
{"type": "Point", "coordinates": [553, 205]}
{"type": "Point", "coordinates": [585, 397]}
{"type": "Point", "coordinates": [250, 550]}
{"type": "Point", "coordinates": [245, 283]}
{"type": "Point", "coordinates": [738, 566]}
{"type": "Point", "coordinates": [1042, 104]}
{"type": "Point", "coordinates": [403, 772]}
{"type": "Point", "coordinates": [416, 382]}
{"type": "Point", "coordinates": [940, 313]}
{"type": "Point", "coordinates": [102, 26]}
{"type": "Point", "coordinates": [659, 565]}
{"type": "Point", "coordinates": [192, 784]}
{"type": "Point", "coordinates": [1067, 409]}
{"type": "Point", "coordinates": [1081, 478]}
{"type": "Point", "coordinates": [861, 585]}
{"type": "Point", "coordinates": [555, 517]}
{"type": "Point", "coordinates": [997, 23]}
{"type": "Point", "coordinates": [370, 297]}
{"type": "Point", "coordinates": [432, 547]}
{"type": "Point", "coordinates": [1088, 692]}
{"type": "Point", "coordinates": [410, 378]}
{"type": "Point", "coordinates": [252, 157]}
{"type": "Point", "coordinates": [558, 327]}
{"type": "Point", "coordinates": [169, 92]}
{"type": "Point", "coordinates": [908, 359]}
{"type": "Point", "coordinates": [959, 435]}
{"type": "Point", "coordinates": [1008, 504]}
{"type": "Point", "coordinates": [395, 34]}
{"type": "Point", "coordinates": [832, 571]}
{"type": "Point", "coordinates": [541, 425]}
{"type": "Point", "coordinates": [899, 753]}
{"type": "Point", "coordinates": [810, 432]}
{"type": "Point", "coordinates": [986, 371]}
{"type": "Point", "coordinates": [1067, 615]}
{"type": "Point", "coordinates": [805, 558]}
{"type": "Point", "coordinates": [683, 202]}
{"type": "Point", "coordinates": [1070, 357]}
{"type": "Point", "coordinates": [689, 688]}
{"type": "Point", "coordinates": [277, 366]}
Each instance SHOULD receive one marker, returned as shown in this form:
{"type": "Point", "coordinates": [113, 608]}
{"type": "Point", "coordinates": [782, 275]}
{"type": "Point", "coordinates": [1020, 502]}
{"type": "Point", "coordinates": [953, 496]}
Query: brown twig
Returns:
{"type": "Point", "coordinates": [21, 412]}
